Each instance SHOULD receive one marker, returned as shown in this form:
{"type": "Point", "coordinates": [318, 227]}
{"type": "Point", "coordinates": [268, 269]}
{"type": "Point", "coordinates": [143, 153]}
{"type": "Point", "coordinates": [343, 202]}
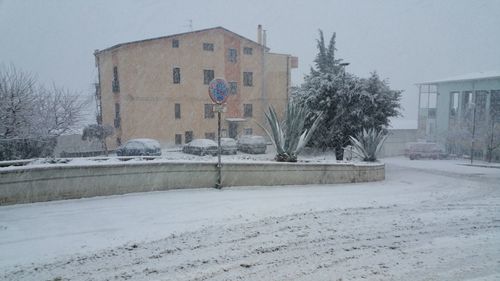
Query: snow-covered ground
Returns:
{"type": "Point", "coordinates": [429, 220]}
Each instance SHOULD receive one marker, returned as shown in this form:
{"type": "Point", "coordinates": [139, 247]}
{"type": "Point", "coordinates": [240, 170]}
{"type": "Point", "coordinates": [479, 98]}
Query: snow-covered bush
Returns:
{"type": "Point", "coordinates": [25, 148]}
{"type": "Point", "coordinates": [290, 135]}
{"type": "Point", "coordinates": [349, 103]}
{"type": "Point", "coordinates": [368, 143]}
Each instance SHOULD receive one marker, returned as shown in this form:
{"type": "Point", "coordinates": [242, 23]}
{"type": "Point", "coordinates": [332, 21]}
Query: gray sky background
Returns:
{"type": "Point", "coordinates": [405, 41]}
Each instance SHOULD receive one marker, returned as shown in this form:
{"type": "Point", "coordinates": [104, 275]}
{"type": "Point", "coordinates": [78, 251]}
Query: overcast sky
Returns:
{"type": "Point", "coordinates": [404, 41]}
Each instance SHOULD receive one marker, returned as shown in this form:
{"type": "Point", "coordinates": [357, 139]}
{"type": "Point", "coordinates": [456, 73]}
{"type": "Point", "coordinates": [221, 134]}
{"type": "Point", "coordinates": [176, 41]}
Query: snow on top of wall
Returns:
{"type": "Point", "coordinates": [178, 158]}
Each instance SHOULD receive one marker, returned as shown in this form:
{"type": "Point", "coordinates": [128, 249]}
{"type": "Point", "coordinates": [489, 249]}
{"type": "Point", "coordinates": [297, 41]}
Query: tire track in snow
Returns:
{"type": "Point", "coordinates": [355, 243]}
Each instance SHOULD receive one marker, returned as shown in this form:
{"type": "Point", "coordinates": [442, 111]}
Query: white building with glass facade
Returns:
{"type": "Point", "coordinates": [461, 113]}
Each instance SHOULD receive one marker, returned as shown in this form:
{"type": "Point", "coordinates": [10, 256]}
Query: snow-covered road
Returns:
{"type": "Point", "coordinates": [429, 220]}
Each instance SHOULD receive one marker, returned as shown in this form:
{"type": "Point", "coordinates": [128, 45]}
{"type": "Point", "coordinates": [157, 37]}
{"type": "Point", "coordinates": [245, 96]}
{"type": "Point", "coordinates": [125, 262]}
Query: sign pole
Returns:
{"type": "Point", "coordinates": [218, 92]}
{"type": "Point", "coordinates": [219, 164]}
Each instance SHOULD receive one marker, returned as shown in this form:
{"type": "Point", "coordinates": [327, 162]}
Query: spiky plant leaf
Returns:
{"type": "Point", "coordinates": [368, 143]}
{"type": "Point", "coordinates": [289, 136]}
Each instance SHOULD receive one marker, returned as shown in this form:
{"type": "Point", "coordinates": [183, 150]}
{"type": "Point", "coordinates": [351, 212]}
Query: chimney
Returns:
{"type": "Point", "coordinates": [259, 34]}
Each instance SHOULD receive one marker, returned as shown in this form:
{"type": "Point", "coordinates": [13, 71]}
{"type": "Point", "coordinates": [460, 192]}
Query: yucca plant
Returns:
{"type": "Point", "coordinates": [368, 143]}
{"type": "Point", "coordinates": [290, 135]}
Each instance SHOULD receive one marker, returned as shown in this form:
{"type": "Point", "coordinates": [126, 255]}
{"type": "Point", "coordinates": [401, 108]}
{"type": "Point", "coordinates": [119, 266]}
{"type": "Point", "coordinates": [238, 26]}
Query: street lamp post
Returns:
{"type": "Point", "coordinates": [343, 65]}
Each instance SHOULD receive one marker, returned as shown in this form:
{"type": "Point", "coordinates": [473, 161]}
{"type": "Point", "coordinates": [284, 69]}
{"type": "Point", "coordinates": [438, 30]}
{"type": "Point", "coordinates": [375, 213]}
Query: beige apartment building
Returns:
{"type": "Point", "coordinates": [158, 88]}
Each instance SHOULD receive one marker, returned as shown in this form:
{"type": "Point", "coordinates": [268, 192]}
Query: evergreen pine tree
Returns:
{"type": "Point", "coordinates": [349, 104]}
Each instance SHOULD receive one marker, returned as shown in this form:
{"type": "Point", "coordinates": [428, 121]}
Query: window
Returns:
{"type": "Point", "coordinates": [466, 104]}
{"type": "Point", "coordinates": [208, 75]}
{"type": "Point", "coordinates": [233, 88]}
{"type": "Point", "coordinates": [178, 139]}
{"type": "Point", "coordinates": [177, 75]}
{"type": "Point", "coordinates": [209, 112]}
{"type": "Point", "coordinates": [247, 131]}
{"type": "Point", "coordinates": [175, 43]}
{"type": "Point", "coordinates": [232, 55]}
{"type": "Point", "coordinates": [188, 136]}
{"type": "Point", "coordinates": [480, 105]}
{"type": "Point", "coordinates": [115, 83]}
{"type": "Point", "coordinates": [247, 51]}
{"type": "Point", "coordinates": [208, 47]}
{"type": "Point", "coordinates": [177, 111]}
{"type": "Point", "coordinates": [247, 110]}
{"type": "Point", "coordinates": [210, 136]}
{"type": "Point", "coordinates": [495, 105]}
{"type": "Point", "coordinates": [454, 104]}
{"type": "Point", "coordinates": [431, 113]}
{"type": "Point", "coordinates": [117, 121]}
{"type": "Point", "coordinates": [115, 73]}
{"type": "Point", "coordinates": [248, 79]}
{"type": "Point", "coordinates": [117, 110]}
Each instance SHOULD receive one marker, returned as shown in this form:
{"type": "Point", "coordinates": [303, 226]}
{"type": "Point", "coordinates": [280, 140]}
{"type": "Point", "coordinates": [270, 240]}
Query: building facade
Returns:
{"type": "Point", "coordinates": [462, 113]}
{"type": "Point", "coordinates": [158, 88]}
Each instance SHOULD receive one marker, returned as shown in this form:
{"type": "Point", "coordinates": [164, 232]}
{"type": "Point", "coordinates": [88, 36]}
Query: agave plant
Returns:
{"type": "Point", "coordinates": [368, 143]}
{"type": "Point", "coordinates": [289, 136]}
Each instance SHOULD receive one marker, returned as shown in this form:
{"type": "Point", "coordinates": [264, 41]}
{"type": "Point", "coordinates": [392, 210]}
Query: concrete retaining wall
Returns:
{"type": "Point", "coordinates": [63, 182]}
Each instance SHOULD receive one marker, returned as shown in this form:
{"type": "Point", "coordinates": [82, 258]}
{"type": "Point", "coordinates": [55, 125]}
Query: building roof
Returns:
{"type": "Point", "coordinates": [466, 77]}
{"type": "Point", "coordinates": [177, 35]}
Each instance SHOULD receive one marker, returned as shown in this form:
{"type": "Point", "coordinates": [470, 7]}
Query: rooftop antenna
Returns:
{"type": "Point", "coordinates": [190, 25]}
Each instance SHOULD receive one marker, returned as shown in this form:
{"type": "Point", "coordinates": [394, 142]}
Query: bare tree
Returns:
{"type": "Point", "coordinates": [17, 96]}
{"type": "Point", "coordinates": [32, 113]}
{"type": "Point", "coordinates": [57, 111]}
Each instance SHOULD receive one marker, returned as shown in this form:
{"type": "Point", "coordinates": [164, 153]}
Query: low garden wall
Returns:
{"type": "Point", "coordinates": [37, 184]}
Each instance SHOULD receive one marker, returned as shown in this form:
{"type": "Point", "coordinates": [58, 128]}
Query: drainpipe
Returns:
{"type": "Point", "coordinates": [264, 92]}
{"type": "Point", "coordinates": [263, 70]}
{"type": "Point", "coordinates": [98, 102]}
{"type": "Point", "coordinates": [418, 113]}
{"type": "Point", "coordinates": [264, 38]}
{"type": "Point", "coordinates": [473, 123]}
{"type": "Point", "coordinates": [288, 78]}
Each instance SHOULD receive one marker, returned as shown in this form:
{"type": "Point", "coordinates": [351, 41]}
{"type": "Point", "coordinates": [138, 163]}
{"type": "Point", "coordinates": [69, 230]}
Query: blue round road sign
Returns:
{"type": "Point", "coordinates": [218, 90]}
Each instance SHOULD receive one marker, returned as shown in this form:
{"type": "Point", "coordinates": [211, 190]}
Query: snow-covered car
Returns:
{"type": "Point", "coordinates": [252, 144]}
{"type": "Point", "coordinates": [201, 147]}
{"type": "Point", "coordinates": [417, 150]}
{"type": "Point", "coordinates": [140, 147]}
{"type": "Point", "coordinates": [228, 146]}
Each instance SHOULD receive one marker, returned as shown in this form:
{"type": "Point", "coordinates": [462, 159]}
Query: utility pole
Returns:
{"type": "Point", "coordinates": [343, 65]}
